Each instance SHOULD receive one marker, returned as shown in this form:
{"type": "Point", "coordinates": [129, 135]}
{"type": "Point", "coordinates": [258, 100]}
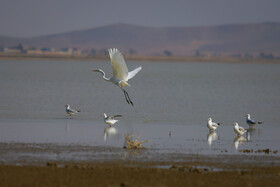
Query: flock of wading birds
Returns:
{"type": "Point", "coordinates": [120, 78]}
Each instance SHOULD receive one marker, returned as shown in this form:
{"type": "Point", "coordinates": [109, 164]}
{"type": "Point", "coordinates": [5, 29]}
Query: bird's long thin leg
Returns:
{"type": "Point", "coordinates": [127, 98]}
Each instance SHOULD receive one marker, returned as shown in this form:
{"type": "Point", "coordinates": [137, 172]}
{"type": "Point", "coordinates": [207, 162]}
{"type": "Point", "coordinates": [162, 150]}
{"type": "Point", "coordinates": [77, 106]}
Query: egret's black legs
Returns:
{"type": "Point", "coordinates": [127, 98]}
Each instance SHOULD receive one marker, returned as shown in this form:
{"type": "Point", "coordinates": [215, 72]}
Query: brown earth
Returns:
{"type": "Point", "coordinates": [127, 174]}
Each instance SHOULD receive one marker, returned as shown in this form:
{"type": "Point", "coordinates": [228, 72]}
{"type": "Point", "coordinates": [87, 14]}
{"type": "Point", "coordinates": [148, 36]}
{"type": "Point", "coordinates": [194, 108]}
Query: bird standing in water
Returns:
{"type": "Point", "coordinates": [71, 111]}
{"type": "Point", "coordinates": [251, 122]}
{"type": "Point", "coordinates": [238, 130]}
{"type": "Point", "coordinates": [212, 125]}
{"type": "Point", "coordinates": [110, 120]}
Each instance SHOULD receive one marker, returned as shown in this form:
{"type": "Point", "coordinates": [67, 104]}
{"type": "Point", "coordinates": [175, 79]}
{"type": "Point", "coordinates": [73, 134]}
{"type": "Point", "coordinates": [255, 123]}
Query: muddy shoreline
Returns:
{"type": "Point", "coordinates": [137, 174]}
{"type": "Point", "coordinates": [27, 165]}
{"type": "Point", "coordinates": [41, 153]}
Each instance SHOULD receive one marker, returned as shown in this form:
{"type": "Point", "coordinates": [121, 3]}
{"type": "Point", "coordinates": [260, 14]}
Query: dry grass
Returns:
{"type": "Point", "coordinates": [133, 144]}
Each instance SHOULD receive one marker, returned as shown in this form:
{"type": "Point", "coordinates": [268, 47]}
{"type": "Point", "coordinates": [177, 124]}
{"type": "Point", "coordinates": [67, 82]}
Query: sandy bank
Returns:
{"type": "Point", "coordinates": [114, 174]}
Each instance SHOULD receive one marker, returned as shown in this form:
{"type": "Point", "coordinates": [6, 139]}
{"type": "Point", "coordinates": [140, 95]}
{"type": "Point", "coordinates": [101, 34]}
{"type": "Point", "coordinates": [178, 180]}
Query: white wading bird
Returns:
{"type": "Point", "coordinates": [71, 111]}
{"type": "Point", "coordinates": [238, 130]}
{"type": "Point", "coordinates": [110, 120]}
{"type": "Point", "coordinates": [212, 125]}
{"type": "Point", "coordinates": [120, 72]}
{"type": "Point", "coordinates": [251, 122]}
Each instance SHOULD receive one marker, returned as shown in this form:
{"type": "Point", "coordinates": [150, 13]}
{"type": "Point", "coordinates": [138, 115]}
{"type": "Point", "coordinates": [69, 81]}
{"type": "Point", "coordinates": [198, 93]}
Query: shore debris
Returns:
{"type": "Point", "coordinates": [133, 144]}
{"type": "Point", "coordinates": [266, 151]}
{"type": "Point", "coordinates": [52, 164]}
{"type": "Point", "coordinates": [190, 169]}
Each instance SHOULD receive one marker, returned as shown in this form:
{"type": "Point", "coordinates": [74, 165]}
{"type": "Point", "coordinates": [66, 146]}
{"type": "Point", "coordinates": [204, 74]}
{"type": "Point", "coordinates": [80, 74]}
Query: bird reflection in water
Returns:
{"type": "Point", "coordinates": [253, 133]}
{"type": "Point", "coordinates": [212, 136]}
{"type": "Point", "coordinates": [67, 127]}
{"type": "Point", "coordinates": [239, 140]}
{"type": "Point", "coordinates": [110, 132]}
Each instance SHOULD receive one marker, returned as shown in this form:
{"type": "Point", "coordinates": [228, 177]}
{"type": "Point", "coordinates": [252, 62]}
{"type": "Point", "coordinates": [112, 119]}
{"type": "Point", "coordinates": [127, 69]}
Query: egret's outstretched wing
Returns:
{"type": "Point", "coordinates": [133, 73]}
{"type": "Point", "coordinates": [119, 67]}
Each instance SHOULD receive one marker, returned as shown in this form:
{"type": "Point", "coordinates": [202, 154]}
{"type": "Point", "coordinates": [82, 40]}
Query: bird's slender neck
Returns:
{"type": "Point", "coordinates": [103, 73]}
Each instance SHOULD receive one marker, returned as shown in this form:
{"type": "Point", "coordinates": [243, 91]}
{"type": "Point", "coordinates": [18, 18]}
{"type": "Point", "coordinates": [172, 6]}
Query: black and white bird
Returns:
{"type": "Point", "coordinates": [121, 75]}
{"type": "Point", "coordinates": [238, 130]}
{"type": "Point", "coordinates": [212, 125]}
{"type": "Point", "coordinates": [110, 120]}
{"type": "Point", "coordinates": [71, 111]}
{"type": "Point", "coordinates": [251, 122]}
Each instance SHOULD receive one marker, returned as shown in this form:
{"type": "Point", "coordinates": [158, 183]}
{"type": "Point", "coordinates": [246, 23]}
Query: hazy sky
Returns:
{"type": "Point", "coordinates": [40, 17]}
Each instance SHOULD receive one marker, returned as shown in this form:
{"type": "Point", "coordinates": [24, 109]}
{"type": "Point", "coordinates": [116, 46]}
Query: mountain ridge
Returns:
{"type": "Point", "coordinates": [250, 38]}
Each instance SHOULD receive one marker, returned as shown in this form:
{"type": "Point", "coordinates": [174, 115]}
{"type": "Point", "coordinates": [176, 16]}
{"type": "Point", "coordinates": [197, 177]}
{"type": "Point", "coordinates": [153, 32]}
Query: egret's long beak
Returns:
{"type": "Point", "coordinates": [233, 124]}
{"type": "Point", "coordinates": [95, 70]}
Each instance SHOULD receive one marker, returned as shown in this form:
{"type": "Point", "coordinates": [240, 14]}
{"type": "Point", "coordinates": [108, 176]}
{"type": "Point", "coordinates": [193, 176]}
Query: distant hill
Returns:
{"type": "Point", "coordinates": [223, 39]}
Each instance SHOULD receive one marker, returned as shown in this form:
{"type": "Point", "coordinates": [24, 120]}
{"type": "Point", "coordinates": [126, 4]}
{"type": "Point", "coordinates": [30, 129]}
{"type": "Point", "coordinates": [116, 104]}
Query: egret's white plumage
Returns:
{"type": "Point", "coordinates": [110, 120]}
{"type": "Point", "coordinates": [120, 72]}
{"type": "Point", "coordinates": [71, 111]}
{"type": "Point", "coordinates": [132, 73]}
{"type": "Point", "coordinates": [238, 130]}
{"type": "Point", "coordinates": [212, 125]}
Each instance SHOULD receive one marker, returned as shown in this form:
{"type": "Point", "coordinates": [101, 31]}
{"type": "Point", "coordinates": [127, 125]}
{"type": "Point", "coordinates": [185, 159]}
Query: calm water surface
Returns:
{"type": "Point", "coordinates": [172, 103]}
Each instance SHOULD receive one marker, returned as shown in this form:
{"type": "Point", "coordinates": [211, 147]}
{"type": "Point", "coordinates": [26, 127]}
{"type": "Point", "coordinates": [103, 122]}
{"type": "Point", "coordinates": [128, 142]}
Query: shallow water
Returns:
{"type": "Point", "coordinates": [172, 103]}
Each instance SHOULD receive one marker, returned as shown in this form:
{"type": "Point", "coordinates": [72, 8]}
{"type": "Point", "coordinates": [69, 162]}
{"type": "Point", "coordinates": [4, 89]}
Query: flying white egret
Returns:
{"type": "Point", "coordinates": [71, 111]}
{"type": "Point", "coordinates": [120, 72]}
{"type": "Point", "coordinates": [251, 122]}
{"type": "Point", "coordinates": [238, 130]}
{"type": "Point", "coordinates": [110, 120]}
{"type": "Point", "coordinates": [212, 125]}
